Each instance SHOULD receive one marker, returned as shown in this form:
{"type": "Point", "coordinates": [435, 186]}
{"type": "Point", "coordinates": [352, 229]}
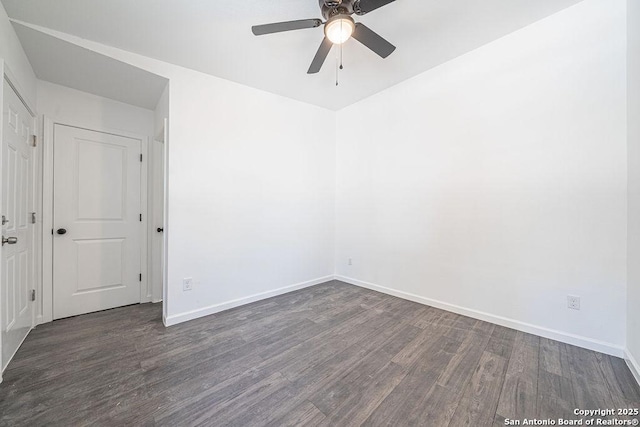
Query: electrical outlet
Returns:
{"type": "Point", "coordinates": [187, 284]}
{"type": "Point", "coordinates": [350, 261]}
{"type": "Point", "coordinates": [573, 302]}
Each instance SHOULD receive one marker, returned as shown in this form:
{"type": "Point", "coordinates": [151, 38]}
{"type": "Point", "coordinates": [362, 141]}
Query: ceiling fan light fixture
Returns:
{"type": "Point", "coordinates": [339, 28]}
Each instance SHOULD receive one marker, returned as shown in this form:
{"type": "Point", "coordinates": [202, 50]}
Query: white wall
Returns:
{"type": "Point", "coordinates": [14, 63]}
{"type": "Point", "coordinates": [633, 114]}
{"type": "Point", "coordinates": [16, 60]}
{"type": "Point", "coordinates": [251, 185]}
{"type": "Point", "coordinates": [250, 189]}
{"type": "Point", "coordinates": [73, 107]}
{"type": "Point", "coordinates": [161, 113]}
{"type": "Point", "coordinates": [496, 182]}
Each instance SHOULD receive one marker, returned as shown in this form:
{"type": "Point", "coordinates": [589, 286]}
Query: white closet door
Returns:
{"type": "Point", "coordinates": [97, 228]}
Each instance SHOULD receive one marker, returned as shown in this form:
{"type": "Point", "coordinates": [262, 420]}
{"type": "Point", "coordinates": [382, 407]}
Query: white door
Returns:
{"type": "Point", "coordinates": [157, 264]}
{"type": "Point", "coordinates": [97, 221]}
{"type": "Point", "coordinates": [17, 229]}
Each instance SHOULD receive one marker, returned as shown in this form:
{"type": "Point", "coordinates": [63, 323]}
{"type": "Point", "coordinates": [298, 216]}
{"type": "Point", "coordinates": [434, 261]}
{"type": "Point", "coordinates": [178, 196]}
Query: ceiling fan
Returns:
{"type": "Point", "coordinates": [338, 28]}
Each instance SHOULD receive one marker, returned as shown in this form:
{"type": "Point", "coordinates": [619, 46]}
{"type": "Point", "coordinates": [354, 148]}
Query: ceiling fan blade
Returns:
{"type": "Point", "coordinates": [279, 27]}
{"type": "Point", "coordinates": [366, 6]}
{"type": "Point", "coordinates": [321, 55]}
{"type": "Point", "coordinates": [373, 41]}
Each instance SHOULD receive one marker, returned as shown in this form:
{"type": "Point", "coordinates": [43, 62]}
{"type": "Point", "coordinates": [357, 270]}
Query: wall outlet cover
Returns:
{"type": "Point", "coordinates": [573, 302]}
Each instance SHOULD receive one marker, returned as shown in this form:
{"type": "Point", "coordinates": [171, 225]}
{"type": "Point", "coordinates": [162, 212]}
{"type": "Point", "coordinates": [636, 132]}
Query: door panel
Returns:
{"type": "Point", "coordinates": [100, 252]}
{"type": "Point", "coordinates": [17, 203]}
{"type": "Point", "coordinates": [96, 262]}
{"type": "Point", "coordinates": [100, 163]}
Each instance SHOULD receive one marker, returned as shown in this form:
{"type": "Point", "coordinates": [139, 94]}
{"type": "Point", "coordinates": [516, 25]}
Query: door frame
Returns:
{"type": "Point", "coordinates": [37, 193]}
{"type": "Point", "coordinates": [47, 211]}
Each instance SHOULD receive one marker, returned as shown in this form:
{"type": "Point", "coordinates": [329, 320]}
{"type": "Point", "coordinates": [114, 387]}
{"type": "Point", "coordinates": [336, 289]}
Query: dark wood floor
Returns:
{"type": "Point", "coordinates": [332, 354]}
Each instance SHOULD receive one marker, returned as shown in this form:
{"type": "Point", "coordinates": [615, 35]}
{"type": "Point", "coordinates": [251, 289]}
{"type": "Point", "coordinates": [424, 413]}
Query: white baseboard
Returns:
{"type": "Point", "coordinates": [212, 309]}
{"type": "Point", "coordinates": [568, 338]}
{"type": "Point", "coordinates": [577, 340]}
{"type": "Point", "coordinates": [633, 365]}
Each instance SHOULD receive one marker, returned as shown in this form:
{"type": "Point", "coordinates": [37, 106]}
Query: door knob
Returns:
{"type": "Point", "coordinates": [160, 230]}
{"type": "Point", "coordinates": [4, 220]}
{"type": "Point", "coordinates": [61, 231]}
{"type": "Point", "coordinates": [9, 240]}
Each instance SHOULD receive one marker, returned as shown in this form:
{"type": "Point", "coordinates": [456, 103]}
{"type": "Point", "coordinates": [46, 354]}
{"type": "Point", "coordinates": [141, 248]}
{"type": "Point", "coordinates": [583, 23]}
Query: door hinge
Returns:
{"type": "Point", "coordinates": [33, 217]}
{"type": "Point", "coordinates": [33, 294]}
{"type": "Point", "coordinates": [140, 217]}
{"type": "Point", "coordinates": [141, 157]}
{"type": "Point", "coordinates": [34, 140]}
{"type": "Point", "coordinates": [140, 278]}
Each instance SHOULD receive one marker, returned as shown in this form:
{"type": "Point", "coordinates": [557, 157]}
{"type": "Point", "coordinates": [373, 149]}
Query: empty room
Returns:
{"type": "Point", "coordinates": [320, 213]}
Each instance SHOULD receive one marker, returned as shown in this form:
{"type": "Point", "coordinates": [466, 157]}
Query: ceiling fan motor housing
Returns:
{"type": "Point", "coordinates": [331, 8]}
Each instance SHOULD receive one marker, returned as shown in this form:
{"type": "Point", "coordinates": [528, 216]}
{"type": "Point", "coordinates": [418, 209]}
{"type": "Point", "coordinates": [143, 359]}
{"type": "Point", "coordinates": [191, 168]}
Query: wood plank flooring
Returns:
{"type": "Point", "coordinates": [329, 355]}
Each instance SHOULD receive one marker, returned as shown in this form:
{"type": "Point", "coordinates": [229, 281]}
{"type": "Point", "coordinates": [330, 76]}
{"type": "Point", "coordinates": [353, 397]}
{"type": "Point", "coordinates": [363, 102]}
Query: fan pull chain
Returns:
{"type": "Point", "coordinates": [339, 67]}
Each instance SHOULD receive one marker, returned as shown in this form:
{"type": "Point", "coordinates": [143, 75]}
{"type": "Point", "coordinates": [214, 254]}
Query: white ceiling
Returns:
{"type": "Point", "coordinates": [215, 37]}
